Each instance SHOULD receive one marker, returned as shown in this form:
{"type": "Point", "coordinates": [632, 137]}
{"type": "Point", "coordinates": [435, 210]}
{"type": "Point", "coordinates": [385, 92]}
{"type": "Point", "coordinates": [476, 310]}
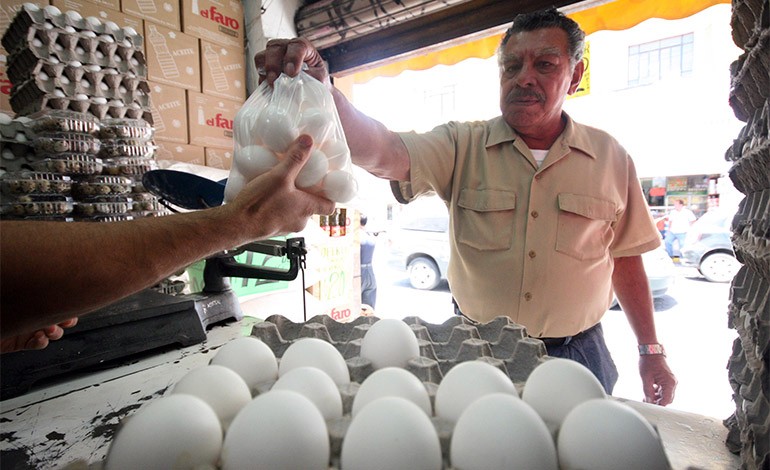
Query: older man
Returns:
{"type": "Point", "coordinates": [547, 216]}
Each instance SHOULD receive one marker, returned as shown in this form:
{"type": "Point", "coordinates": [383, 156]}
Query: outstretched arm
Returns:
{"type": "Point", "coordinates": [630, 283]}
{"type": "Point", "coordinates": [52, 271]}
{"type": "Point", "coordinates": [372, 146]}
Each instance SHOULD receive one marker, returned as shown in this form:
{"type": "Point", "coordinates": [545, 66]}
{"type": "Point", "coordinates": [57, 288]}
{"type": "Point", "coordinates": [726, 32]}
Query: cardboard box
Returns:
{"type": "Point", "coordinates": [101, 10]}
{"type": "Point", "coordinates": [181, 153]}
{"type": "Point", "coordinates": [9, 8]}
{"type": "Point", "coordinates": [219, 21]}
{"type": "Point", "coordinates": [5, 85]}
{"type": "Point", "coordinates": [211, 120]}
{"type": "Point", "coordinates": [172, 57]}
{"type": "Point", "coordinates": [162, 12]}
{"type": "Point", "coordinates": [169, 113]}
{"type": "Point", "coordinates": [223, 71]}
{"type": "Point", "coordinates": [219, 158]}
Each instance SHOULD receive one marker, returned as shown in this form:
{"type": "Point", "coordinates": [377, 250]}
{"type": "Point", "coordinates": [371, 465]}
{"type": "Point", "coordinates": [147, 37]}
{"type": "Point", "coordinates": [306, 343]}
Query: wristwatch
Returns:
{"type": "Point", "coordinates": [651, 349]}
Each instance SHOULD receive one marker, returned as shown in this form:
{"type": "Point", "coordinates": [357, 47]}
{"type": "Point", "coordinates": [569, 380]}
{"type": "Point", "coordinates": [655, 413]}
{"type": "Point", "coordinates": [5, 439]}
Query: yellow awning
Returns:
{"type": "Point", "coordinates": [615, 15]}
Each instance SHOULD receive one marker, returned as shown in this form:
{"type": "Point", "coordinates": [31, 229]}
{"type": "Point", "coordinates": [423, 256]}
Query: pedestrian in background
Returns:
{"type": "Point", "coordinates": [679, 219]}
{"type": "Point", "coordinates": [368, 281]}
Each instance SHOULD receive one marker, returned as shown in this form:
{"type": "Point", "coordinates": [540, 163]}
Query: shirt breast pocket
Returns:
{"type": "Point", "coordinates": [485, 218]}
{"type": "Point", "coordinates": [584, 229]}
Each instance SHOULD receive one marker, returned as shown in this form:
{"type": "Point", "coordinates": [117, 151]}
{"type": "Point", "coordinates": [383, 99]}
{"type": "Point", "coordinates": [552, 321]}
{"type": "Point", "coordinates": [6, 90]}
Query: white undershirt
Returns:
{"type": "Point", "coordinates": [539, 156]}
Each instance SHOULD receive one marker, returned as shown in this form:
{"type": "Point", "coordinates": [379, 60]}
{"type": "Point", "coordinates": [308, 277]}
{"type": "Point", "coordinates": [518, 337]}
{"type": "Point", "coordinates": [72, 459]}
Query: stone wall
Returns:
{"type": "Point", "coordinates": [749, 311]}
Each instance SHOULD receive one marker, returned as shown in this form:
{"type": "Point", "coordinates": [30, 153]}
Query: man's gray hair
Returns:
{"type": "Point", "coordinates": [550, 18]}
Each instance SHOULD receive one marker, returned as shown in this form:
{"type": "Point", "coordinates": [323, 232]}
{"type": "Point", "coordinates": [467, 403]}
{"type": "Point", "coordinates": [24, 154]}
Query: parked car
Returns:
{"type": "Point", "coordinates": [708, 246]}
{"type": "Point", "coordinates": [420, 245]}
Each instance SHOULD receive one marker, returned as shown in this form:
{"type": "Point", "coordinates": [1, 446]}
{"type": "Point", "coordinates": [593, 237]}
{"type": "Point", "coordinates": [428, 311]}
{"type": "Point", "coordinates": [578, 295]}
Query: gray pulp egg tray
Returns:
{"type": "Point", "coordinates": [500, 342]}
{"type": "Point", "coordinates": [64, 62]}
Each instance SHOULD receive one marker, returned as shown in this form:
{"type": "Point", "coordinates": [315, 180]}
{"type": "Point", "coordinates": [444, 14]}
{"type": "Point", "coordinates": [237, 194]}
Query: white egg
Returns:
{"type": "Point", "coordinates": [222, 388]}
{"type": "Point", "coordinates": [252, 359]}
{"type": "Point", "coordinates": [334, 149]}
{"type": "Point", "coordinates": [176, 431]}
{"type": "Point", "coordinates": [254, 160]}
{"type": "Point", "coordinates": [279, 429]}
{"type": "Point", "coordinates": [73, 15]}
{"type": "Point", "coordinates": [317, 123]}
{"type": "Point", "coordinates": [94, 21]}
{"type": "Point", "coordinates": [557, 386]}
{"type": "Point", "coordinates": [88, 34]}
{"type": "Point", "coordinates": [313, 171]}
{"type": "Point", "coordinates": [340, 161]}
{"type": "Point", "coordinates": [37, 42]}
{"type": "Point", "coordinates": [500, 430]}
{"type": "Point", "coordinates": [392, 382]}
{"type": "Point", "coordinates": [110, 27]}
{"type": "Point", "coordinates": [245, 127]}
{"type": "Point", "coordinates": [340, 186]}
{"type": "Point", "coordinates": [52, 10]}
{"type": "Point", "coordinates": [234, 185]}
{"type": "Point", "coordinates": [465, 383]}
{"type": "Point", "coordinates": [64, 80]}
{"type": "Point", "coordinates": [31, 7]}
{"type": "Point", "coordinates": [70, 30]}
{"type": "Point", "coordinates": [5, 119]}
{"type": "Point", "coordinates": [317, 386]}
{"type": "Point", "coordinates": [391, 432]}
{"type": "Point", "coordinates": [314, 352]}
{"type": "Point", "coordinates": [129, 31]}
{"type": "Point", "coordinates": [389, 342]}
{"type": "Point", "coordinates": [276, 129]}
{"type": "Point", "coordinates": [603, 434]}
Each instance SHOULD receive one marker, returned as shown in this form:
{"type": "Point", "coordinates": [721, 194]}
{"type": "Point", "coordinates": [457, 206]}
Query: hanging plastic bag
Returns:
{"type": "Point", "coordinates": [269, 122]}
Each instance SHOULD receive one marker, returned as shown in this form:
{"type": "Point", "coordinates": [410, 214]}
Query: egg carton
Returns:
{"type": "Point", "coordinates": [45, 77]}
{"type": "Point", "coordinates": [136, 129]}
{"type": "Point", "coordinates": [35, 183]}
{"type": "Point", "coordinates": [129, 166]}
{"type": "Point", "coordinates": [38, 101]}
{"type": "Point", "coordinates": [135, 148]}
{"type": "Point", "coordinates": [500, 342]}
{"type": "Point", "coordinates": [63, 121]}
{"type": "Point", "coordinates": [65, 47]}
{"type": "Point", "coordinates": [16, 156]}
{"type": "Point", "coordinates": [66, 142]}
{"type": "Point", "coordinates": [27, 206]}
{"type": "Point", "coordinates": [52, 20]}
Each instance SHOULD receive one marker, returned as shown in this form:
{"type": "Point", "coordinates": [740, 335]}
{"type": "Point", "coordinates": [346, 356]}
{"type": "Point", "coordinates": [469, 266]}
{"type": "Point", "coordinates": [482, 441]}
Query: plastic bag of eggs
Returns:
{"type": "Point", "coordinates": [272, 118]}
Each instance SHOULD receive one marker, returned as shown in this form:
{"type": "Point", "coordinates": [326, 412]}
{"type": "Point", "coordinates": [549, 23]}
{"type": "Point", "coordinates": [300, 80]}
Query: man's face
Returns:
{"type": "Point", "coordinates": [535, 78]}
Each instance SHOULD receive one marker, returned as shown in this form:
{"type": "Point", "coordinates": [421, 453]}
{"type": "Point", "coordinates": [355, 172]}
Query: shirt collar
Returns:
{"type": "Point", "coordinates": [572, 136]}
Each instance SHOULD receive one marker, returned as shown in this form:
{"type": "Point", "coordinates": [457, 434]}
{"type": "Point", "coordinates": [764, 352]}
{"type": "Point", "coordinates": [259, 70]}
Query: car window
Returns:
{"type": "Point", "coordinates": [715, 219]}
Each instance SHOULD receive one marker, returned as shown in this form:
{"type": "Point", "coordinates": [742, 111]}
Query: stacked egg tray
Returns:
{"type": "Point", "coordinates": [500, 343]}
{"type": "Point", "coordinates": [82, 169]}
{"type": "Point", "coordinates": [63, 61]}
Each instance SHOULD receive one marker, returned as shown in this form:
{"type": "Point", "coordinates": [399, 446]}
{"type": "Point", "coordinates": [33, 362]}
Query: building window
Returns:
{"type": "Point", "coordinates": [658, 60]}
{"type": "Point", "coordinates": [440, 102]}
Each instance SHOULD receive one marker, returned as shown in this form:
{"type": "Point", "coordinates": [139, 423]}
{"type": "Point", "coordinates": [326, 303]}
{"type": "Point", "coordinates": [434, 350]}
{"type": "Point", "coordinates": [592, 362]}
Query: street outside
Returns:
{"type": "Point", "coordinates": [691, 322]}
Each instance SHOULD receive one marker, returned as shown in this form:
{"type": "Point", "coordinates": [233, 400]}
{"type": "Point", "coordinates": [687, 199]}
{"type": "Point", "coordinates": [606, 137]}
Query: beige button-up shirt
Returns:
{"type": "Point", "coordinates": [535, 244]}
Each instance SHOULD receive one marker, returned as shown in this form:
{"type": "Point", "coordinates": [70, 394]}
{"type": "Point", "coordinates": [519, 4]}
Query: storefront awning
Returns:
{"type": "Point", "coordinates": [613, 15]}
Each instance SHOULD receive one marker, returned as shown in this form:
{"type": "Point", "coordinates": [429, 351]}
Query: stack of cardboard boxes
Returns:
{"type": "Point", "coordinates": [195, 67]}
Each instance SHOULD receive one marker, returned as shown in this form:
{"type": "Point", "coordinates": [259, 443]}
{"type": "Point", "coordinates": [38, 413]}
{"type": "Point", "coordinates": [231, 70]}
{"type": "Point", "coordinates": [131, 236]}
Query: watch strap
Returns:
{"type": "Point", "coordinates": [651, 349]}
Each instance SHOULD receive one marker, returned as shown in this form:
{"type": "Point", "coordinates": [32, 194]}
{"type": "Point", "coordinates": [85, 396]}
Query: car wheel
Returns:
{"type": "Point", "coordinates": [423, 273]}
{"type": "Point", "coordinates": [719, 267]}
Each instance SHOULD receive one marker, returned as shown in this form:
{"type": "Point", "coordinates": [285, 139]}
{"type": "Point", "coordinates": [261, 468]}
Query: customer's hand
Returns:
{"type": "Point", "coordinates": [271, 204]}
{"type": "Point", "coordinates": [287, 56]}
{"type": "Point", "coordinates": [37, 339]}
